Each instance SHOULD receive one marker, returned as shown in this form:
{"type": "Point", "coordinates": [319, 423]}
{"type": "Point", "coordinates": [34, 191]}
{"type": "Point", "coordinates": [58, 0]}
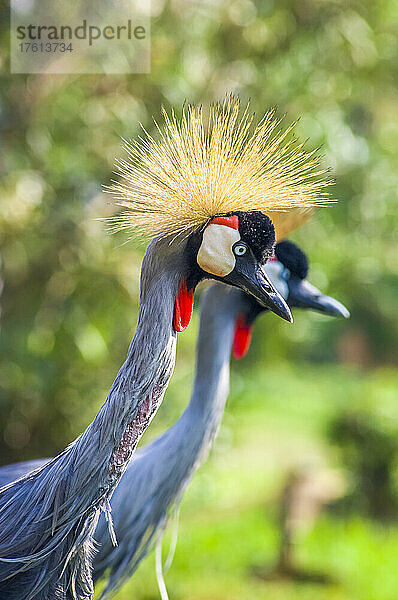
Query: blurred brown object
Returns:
{"type": "Point", "coordinates": [305, 493]}
{"type": "Point", "coordinates": [353, 348]}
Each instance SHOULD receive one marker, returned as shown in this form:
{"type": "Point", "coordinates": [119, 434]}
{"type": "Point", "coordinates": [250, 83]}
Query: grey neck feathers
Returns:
{"type": "Point", "coordinates": [146, 371]}
{"type": "Point", "coordinates": [158, 476]}
{"type": "Point", "coordinates": [219, 307]}
{"type": "Point", "coordinates": [47, 519]}
{"type": "Point", "coordinates": [141, 502]}
{"type": "Point", "coordinates": [195, 431]}
{"type": "Point", "coordinates": [191, 436]}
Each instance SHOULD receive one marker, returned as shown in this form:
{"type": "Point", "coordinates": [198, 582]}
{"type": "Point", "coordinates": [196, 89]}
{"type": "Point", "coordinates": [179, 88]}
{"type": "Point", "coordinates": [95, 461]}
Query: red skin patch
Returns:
{"type": "Point", "coordinates": [273, 258]}
{"type": "Point", "coordinates": [232, 221]}
{"type": "Point", "coordinates": [242, 337]}
{"type": "Point", "coordinates": [183, 306]}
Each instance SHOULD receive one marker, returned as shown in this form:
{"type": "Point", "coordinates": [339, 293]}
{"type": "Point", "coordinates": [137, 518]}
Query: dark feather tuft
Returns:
{"type": "Point", "coordinates": [292, 258]}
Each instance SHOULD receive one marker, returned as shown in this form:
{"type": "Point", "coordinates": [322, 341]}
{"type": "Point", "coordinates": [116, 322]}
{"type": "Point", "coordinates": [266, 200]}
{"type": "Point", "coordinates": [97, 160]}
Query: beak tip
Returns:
{"type": "Point", "coordinates": [284, 312]}
{"type": "Point", "coordinates": [287, 316]}
{"type": "Point", "coordinates": [339, 310]}
{"type": "Point", "coordinates": [304, 295]}
{"type": "Point", "coordinates": [280, 307]}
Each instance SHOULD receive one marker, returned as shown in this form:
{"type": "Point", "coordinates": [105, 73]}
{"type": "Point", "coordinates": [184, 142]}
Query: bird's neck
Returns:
{"type": "Point", "coordinates": [219, 309]}
{"type": "Point", "coordinates": [68, 493]}
{"type": "Point", "coordinates": [138, 389]}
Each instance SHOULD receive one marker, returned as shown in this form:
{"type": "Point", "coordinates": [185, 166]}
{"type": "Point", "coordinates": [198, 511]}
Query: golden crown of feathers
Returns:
{"type": "Point", "coordinates": [197, 169]}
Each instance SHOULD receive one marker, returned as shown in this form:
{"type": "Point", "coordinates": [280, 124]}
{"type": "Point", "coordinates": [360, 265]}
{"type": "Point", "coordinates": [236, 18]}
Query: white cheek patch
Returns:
{"type": "Point", "coordinates": [215, 254]}
{"type": "Point", "coordinates": [274, 270]}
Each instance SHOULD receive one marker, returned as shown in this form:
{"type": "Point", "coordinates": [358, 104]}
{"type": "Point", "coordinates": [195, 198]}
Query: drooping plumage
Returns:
{"type": "Point", "coordinates": [47, 519]}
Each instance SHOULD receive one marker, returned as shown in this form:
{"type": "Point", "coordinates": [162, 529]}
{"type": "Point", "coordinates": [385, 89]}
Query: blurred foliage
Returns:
{"type": "Point", "coordinates": [70, 291]}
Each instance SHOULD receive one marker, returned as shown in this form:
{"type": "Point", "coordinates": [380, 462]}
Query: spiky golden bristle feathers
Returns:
{"type": "Point", "coordinates": [195, 170]}
{"type": "Point", "coordinates": [286, 222]}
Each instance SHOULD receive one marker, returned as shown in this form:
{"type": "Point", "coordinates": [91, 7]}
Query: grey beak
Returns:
{"type": "Point", "coordinates": [256, 282]}
{"type": "Point", "coordinates": [304, 295]}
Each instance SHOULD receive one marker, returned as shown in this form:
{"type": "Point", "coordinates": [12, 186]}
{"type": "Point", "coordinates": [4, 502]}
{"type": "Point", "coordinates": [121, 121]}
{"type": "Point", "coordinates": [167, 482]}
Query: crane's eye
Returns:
{"type": "Point", "coordinates": [240, 249]}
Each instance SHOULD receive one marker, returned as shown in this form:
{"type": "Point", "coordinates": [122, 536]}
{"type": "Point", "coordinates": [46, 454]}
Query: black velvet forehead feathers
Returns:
{"type": "Point", "coordinates": [292, 258]}
{"type": "Point", "coordinates": [257, 230]}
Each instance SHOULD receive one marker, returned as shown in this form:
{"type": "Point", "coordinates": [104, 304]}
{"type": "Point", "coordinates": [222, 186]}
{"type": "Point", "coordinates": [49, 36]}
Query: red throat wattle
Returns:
{"type": "Point", "coordinates": [183, 306]}
{"type": "Point", "coordinates": [242, 337]}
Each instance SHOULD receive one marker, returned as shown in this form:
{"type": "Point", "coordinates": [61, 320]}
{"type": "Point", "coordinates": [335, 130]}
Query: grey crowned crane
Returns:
{"type": "Point", "coordinates": [203, 192]}
{"type": "Point", "coordinates": [160, 472]}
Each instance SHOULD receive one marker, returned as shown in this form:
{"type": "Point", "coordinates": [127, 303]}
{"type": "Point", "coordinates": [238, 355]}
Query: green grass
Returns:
{"type": "Point", "coordinates": [275, 422]}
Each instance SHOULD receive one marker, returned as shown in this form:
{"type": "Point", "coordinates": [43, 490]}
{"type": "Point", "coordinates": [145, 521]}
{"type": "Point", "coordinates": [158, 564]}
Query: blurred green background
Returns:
{"type": "Point", "coordinates": [313, 411]}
